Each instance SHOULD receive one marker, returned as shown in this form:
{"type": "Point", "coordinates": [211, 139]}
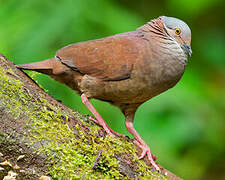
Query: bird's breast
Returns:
{"type": "Point", "coordinates": [161, 70]}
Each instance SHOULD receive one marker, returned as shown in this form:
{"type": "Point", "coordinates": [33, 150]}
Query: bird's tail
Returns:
{"type": "Point", "coordinates": [45, 66]}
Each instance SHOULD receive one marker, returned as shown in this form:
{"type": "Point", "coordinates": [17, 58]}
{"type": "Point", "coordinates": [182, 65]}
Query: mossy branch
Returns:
{"type": "Point", "coordinates": [40, 136]}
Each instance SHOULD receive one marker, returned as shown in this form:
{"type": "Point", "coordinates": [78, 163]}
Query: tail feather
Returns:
{"type": "Point", "coordinates": [45, 66]}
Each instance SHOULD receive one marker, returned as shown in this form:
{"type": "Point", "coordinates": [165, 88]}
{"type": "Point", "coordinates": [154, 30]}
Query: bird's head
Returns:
{"type": "Point", "coordinates": [179, 31]}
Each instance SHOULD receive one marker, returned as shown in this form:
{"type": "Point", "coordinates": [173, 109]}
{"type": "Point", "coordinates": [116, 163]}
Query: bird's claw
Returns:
{"type": "Point", "coordinates": [146, 152]}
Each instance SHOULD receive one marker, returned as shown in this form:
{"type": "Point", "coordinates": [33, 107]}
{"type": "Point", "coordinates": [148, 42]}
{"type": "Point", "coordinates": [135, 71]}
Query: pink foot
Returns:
{"type": "Point", "coordinates": [146, 152]}
{"type": "Point", "coordinates": [140, 142]}
{"type": "Point", "coordinates": [139, 145]}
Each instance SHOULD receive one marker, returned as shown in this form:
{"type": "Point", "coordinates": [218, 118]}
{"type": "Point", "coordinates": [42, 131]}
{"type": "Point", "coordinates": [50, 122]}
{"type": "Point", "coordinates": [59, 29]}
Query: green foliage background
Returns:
{"type": "Point", "coordinates": [185, 126]}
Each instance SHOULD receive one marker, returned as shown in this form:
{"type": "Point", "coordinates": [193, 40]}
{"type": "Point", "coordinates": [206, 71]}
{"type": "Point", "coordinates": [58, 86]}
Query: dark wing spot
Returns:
{"type": "Point", "coordinates": [120, 78]}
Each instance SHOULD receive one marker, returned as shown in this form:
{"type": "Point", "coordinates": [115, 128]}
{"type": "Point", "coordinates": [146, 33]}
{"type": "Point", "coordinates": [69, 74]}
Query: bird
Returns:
{"type": "Point", "coordinates": [125, 69]}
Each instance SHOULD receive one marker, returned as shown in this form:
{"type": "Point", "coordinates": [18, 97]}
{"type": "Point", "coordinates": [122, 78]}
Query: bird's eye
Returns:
{"type": "Point", "coordinates": [177, 31]}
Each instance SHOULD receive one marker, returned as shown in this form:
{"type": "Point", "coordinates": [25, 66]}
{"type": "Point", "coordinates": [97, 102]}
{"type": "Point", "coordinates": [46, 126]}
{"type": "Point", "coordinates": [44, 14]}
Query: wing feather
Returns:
{"type": "Point", "coordinates": [110, 58]}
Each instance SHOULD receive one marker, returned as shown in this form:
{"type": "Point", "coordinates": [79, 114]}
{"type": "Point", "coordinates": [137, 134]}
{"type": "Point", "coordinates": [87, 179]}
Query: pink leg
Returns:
{"type": "Point", "coordinates": [99, 120]}
{"type": "Point", "coordinates": [140, 142]}
{"type": "Point", "coordinates": [114, 132]}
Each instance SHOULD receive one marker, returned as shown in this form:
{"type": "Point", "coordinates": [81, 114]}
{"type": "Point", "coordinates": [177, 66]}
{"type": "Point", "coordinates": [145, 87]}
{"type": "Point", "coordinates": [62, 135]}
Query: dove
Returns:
{"type": "Point", "coordinates": [124, 70]}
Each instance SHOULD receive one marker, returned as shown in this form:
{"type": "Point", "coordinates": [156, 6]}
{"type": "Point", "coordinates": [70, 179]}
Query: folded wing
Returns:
{"type": "Point", "coordinates": [109, 59]}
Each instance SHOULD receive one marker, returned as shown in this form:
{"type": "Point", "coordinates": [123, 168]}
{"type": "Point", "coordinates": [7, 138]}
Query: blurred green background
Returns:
{"type": "Point", "coordinates": [185, 126]}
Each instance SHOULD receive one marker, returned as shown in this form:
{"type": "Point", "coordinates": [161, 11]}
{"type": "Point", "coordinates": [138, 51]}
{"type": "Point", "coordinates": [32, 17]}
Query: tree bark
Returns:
{"type": "Point", "coordinates": [41, 136]}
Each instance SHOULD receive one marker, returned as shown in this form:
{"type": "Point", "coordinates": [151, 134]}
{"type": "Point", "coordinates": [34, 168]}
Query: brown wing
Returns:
{"type": "Point", "coordinates": [110, 58]}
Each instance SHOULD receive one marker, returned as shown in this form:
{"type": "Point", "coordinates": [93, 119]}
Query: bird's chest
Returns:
{"type": "Point", "coordinates": [160, 74]}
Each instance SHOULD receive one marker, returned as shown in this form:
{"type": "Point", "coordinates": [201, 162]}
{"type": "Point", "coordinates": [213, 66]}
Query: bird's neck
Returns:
{"type": "Point", "coordinates": [154, 28]}
{"type": "Point", "coordinates": [157, 36]}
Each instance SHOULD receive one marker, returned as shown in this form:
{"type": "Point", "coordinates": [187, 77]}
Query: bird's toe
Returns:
{"type": "Point", "coordinates": [146, 152]}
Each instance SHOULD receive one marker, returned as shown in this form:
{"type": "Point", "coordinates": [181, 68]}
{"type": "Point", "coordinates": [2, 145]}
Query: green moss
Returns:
{"type": "Point", "coordinates": [71, 152]}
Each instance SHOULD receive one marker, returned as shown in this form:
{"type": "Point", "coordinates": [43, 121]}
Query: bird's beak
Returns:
{"type": "Point", "coordinates": [188, 50]}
